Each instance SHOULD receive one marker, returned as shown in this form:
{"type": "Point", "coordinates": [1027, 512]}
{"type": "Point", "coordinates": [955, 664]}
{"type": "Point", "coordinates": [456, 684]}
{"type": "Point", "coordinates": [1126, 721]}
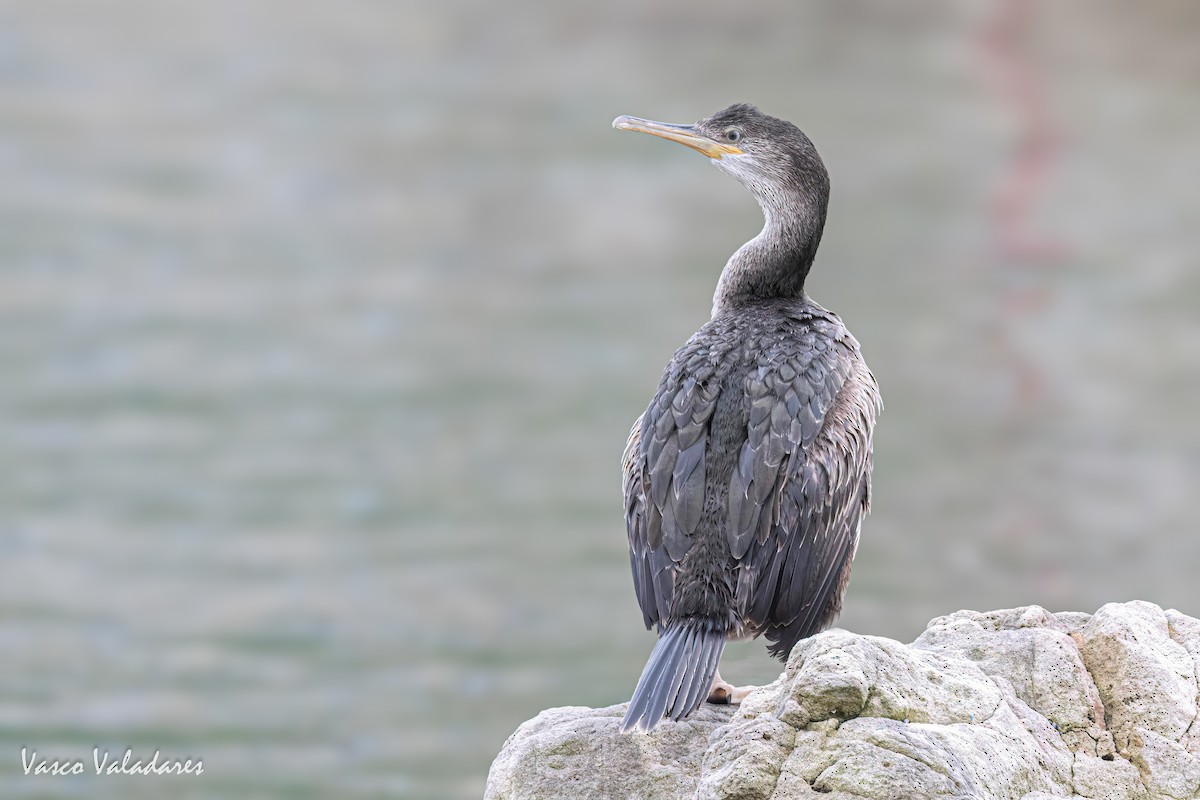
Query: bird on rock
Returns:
{"type": "Point", "coordinates": [747, 478]}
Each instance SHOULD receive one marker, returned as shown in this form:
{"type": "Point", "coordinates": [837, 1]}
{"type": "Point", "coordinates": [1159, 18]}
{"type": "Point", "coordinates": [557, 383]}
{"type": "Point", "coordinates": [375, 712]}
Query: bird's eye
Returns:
{"type": "Point", "coordinates": [733, 135]}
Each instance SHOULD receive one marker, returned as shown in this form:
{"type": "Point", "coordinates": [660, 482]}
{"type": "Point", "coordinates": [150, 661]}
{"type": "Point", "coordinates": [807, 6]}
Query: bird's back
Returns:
{"type": "Point", "coordinates": [746, 477]}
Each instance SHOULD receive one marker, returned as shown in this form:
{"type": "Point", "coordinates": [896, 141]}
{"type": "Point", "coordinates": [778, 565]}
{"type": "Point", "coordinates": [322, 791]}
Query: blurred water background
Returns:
{"type": "Point", "coordinates": [322, 327]}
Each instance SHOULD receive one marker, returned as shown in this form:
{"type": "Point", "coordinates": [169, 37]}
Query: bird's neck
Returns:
{"type": "Point", "coordinates": [774, 264]}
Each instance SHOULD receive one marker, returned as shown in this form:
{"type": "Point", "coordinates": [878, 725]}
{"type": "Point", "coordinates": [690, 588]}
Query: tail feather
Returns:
{"type": "Point", "coordinates": [677, 675]}
{"type": "Point", "coordinates": [704, 676]}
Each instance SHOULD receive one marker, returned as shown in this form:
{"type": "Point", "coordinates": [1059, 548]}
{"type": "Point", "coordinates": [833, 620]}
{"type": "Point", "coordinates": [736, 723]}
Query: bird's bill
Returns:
{"type": "Point", "coordinates": [684, 134]}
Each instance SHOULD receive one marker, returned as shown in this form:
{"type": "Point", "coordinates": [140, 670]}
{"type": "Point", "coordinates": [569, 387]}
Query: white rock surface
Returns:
{"type": "Point", "coordinates": [1019, 704]}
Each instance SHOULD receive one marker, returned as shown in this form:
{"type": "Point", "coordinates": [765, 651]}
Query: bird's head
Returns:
{"type": "Point", "coordinates": [771, 157]}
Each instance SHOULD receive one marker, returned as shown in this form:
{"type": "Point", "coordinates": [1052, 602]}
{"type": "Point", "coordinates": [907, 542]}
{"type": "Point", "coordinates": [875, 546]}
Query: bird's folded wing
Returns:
{"type": "Point", "coordinates": [664, 482]}
{"type": "Point", "coordinates": [801, 486]}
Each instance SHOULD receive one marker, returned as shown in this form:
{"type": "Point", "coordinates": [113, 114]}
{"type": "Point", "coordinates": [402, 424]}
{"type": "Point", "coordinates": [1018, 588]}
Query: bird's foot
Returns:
{"type": "Point", "coordinates": [726, 694]}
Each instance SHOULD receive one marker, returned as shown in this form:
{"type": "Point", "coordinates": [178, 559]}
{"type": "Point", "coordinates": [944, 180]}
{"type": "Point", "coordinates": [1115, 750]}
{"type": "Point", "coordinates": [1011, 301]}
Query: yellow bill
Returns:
{"type": "Point", "coordinates": [684, 134]}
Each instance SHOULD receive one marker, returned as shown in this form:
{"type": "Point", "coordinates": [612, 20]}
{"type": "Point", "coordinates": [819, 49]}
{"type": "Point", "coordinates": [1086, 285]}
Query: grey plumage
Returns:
{"type": "Point", "coordinates": [677, 675]}
{"type": "Point", "coordinates": [748, 475]}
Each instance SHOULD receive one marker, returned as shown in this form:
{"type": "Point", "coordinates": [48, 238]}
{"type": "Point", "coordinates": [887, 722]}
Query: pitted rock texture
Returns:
{"type": "Point", "coordinates": [1018, 704]}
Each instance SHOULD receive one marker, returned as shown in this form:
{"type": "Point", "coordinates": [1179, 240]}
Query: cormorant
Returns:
{"type": "Point", "coordinates": [747, 478]}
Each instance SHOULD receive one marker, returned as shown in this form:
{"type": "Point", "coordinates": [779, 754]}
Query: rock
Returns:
{"type": "Point", "coordinates": [1144, 677]}
{"type": "Point", "coordinates": [1019, 704]}
{"type": "Point", "coordinates": [1186, 631]}
{"type": "Point", "coordinates": [580, 752]}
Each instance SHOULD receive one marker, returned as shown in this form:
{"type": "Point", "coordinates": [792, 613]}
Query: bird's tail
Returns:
{"type": "Point", "coordinates": [678, 675]}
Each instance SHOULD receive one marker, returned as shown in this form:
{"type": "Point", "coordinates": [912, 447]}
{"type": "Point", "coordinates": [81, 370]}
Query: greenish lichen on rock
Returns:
{"type": "Point", "coordinates": [1018, 704]}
